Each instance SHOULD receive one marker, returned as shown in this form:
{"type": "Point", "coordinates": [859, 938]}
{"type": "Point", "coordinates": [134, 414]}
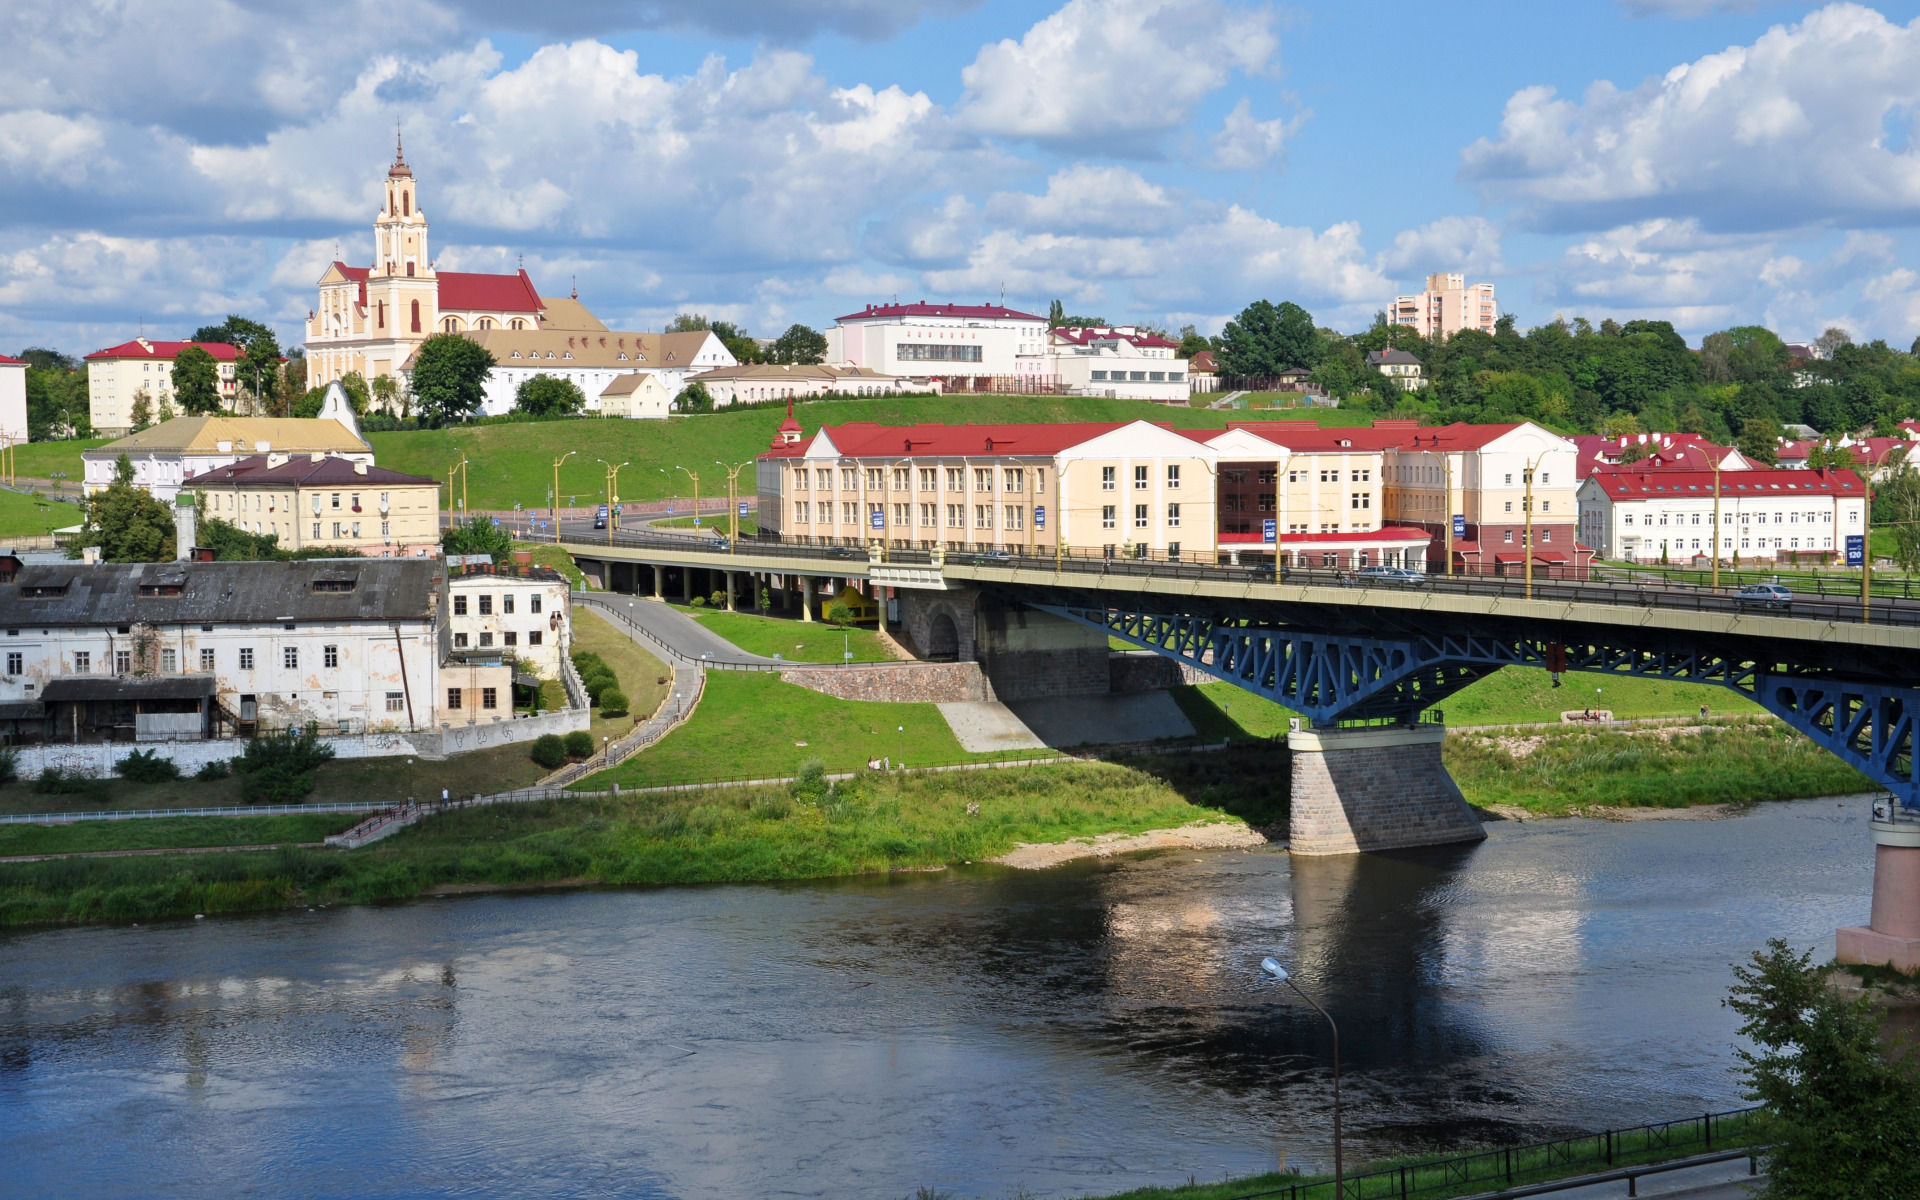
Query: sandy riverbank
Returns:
{"type": "Point", "coordinates": [1216, 835]}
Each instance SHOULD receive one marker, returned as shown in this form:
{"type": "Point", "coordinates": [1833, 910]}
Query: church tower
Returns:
{"type": "Point", "coordinates": [400, 232]}
{"type": "Point", "coordinates": [403, 291]}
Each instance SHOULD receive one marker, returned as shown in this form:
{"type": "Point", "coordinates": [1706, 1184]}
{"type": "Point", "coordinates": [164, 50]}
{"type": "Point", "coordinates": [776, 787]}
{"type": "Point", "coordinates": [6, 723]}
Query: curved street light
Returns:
{"type": "Point", "coordinates": [1279, 973]}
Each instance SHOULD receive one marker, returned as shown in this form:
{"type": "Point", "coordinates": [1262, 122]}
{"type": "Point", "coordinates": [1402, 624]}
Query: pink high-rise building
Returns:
{"type": "Point", "coordinates": [1447, 306]}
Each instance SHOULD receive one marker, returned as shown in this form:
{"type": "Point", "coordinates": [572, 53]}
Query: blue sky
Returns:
{"type": "Point", "coordinates": [1164, 161]}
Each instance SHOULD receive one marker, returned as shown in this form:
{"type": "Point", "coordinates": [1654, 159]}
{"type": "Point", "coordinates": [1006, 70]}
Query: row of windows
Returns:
{"type": "Point", "coordinates": [1109, 516]}
{"type": "Point", "coordinates": [170, 660]}
{"type": "Point", "coordinates": [1140, 377]}
{"type": "Point", "coordinates": [270, 503]}
{"type": "Point", "coordinates": [913, 352]}
{"type": "Point", "coordinates": [902, 479]}
{"type": "Point", "coordinates": [485, 604]}
{"type": "Point", "coordinates": [509, 638]}
{"type": "Point", "coordinates": [1109, 477]}
{"type": "Point", "coordinates": [1012, 516]}
{"type": "Point", "coordinates": [1545, 506]}
{"type": "Point", "coordinates": [1792, 518]}
{"type": "Point", "coordinates": [489, 697]}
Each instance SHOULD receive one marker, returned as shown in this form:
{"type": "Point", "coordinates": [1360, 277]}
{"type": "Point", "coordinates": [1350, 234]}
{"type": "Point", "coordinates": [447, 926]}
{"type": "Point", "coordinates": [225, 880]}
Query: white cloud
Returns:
{"type": "Point", "coordinates": [1470, 244]}
{"type": "Point", "coordinates": [1803, 126]}
{"type": "Point", "coordinates": [1244, 144]}
{"type": "Point", "coordinates": [1089, 199]}
{"type": "Point", "coordinates": [1114, 73]}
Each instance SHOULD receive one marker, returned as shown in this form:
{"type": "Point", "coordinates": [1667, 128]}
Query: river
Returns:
{"type": "Point", "coordinates": [1085, 1029]}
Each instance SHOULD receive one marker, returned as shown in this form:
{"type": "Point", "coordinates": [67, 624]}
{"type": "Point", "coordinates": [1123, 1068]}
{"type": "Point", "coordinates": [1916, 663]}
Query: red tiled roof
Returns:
{"type": "Point", "coordinates": [358, 275]}
{"type": "Point", "coordinates": [1090, 335]}
{"type": "Point", "coordinates": [1203, 361]}
{"type": "Point", "coordinates": [463, 292]}
{"type": "Point", "coordinates": [167, 350]}
{"type": "Point", "coordinates": [253, 471]}
{"type": "Point", "coordinates": [923, 309]}
{"type": "Point", "coordinates": [12, 362]}
{"type": "Point", "coordinates": [1631, 483]}
{"type": "Point", "coordinates": [863, 439]}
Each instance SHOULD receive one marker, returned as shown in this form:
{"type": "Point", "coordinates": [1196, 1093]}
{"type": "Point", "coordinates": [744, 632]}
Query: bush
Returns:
{"type": "Point", "coordinates": [276, 767]}
{"type": "Point", "coordinates": [9, 763]}
{"type": "Point", "coordinates": [219, 768]}
{"type": "Point", "coordinates": [613, 703]}
{"type": "Point", "coordinates": [146, 766]}
{"type": "Point", "coordinates": [838, 613]}
{"type": "Point", "coordinates": [699, 602]}
{"type": "Point", "coordinates": [585, 661]}
{"type": "Point", "coordinates": [549, 750]}
{"type": "Point", "coordinates": [54, 781]}
{"type": "Point", "coordinates": [579, 744]}
{"type": "Point", "coordinates": [599, 683]}
{"type": "Point", "coordinates": [275, 785]}
{"type": "Point", "coordinates": [718, 600]}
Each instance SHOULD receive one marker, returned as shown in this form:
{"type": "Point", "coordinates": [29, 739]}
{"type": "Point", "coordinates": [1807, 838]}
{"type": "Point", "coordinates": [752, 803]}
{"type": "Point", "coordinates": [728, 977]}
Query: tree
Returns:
{"type": "Point", "coordinates": [234, 331]}
{"type": "Point", "coordinates": [800, 344]}
{"type": "Point", "coordinates": [688, 323]}
{"type": "Point", "coordinates": [125, 522]}
{"type": "Point", "coordinates": [1842, 1121]}
{"type": "Point", "coordinates": [743, 348]}
{"type": "Point", "coordinates": [1827, 456]}
{"type": "Point", "coordinates": [141, 414]}
{"type": "Point", "coordinates": [258, 369]}
{"type": "Point", "coordinates": [694, 398]}
{"type": "Point", "coordinates": [355, 386]}
{"type": "Point", "coordinates": [196, 380]}
{"type": "Point", "coordinates": [549, 396]}
{"type": "Point", "coordinates": [56, 395]}
{"type": "Point", "coordinates": [1832, 341]}
{"type": "Point", "coordinates": [1896, 504]}
{"type": "Point", "coordinates": [449, 377]}
{"type": "Point", "coordinates": [1760, 440]}
{"type": "Point", "coordinates": [1266, 339]}
{"type": "Point", "coordinates": [386, 393]}
{"type": "Point", "coordinates": [478, 535]}
{"type": "Point", "coordinates": [1058, 318]}
{"type": "Point", "coordinates": [1191, 343]}
{"type": "Point", "coordinates": [1620, 425]}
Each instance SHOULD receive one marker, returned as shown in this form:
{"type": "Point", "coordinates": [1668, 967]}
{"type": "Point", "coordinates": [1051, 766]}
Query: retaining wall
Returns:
{"type": "Point", "coordinates": [906, 683]}
{"type": "Point", "coordinates": [1145, 671]}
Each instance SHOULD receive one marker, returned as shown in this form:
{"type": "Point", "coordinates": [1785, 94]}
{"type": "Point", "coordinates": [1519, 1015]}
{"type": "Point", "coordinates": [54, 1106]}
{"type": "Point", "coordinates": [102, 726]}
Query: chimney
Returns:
{"type": "Point", "coordinates": [316, 456]}
{"type": "Point", "coordinates": [275, 460]}
{"type": "Point", "coordinates": [359, 467]}
{"type": "Point", "coordinates": [90, 555]}
{"type": "Point", "coordinates": [184, 516]}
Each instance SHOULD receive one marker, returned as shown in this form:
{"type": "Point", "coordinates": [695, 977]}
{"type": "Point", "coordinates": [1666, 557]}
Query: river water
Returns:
{"type": "Point", "coordinates": [1091, 1028]}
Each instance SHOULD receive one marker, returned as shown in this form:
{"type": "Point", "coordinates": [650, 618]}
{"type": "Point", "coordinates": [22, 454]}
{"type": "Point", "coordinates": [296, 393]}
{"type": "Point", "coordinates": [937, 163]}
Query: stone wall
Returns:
{"type": "Point", "coordinates": [906, 683]}
{"type": "Point", "coordinates": [1029, 654]}
{"type": "Point", "coordinates": [1384, 788]}
{"type": "Point", "coordinates": [920, 610]}
{"type": "Point", "coordinates": [1145, 671]}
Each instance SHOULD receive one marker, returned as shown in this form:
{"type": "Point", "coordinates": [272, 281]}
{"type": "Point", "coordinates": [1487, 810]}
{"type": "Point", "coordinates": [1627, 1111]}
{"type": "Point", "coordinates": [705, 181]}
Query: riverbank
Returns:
{"type": "Point", "coordinates": [808, 830]}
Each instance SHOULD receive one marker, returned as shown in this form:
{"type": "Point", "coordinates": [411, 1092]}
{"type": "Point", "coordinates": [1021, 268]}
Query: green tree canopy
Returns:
{"type": "Point", "coordinates": [125, 522]}
{"type": "Point", "coordinates": [1059, 318]}
{"type": "Point", "coordinates": [234, 331]}
{"type": "Point", "coordinates": [258, 369]}
{"type": "Point", "coordinates": [687, 322]}
{"type": "Point", "coordinates": [549, 396]}
{"type": "Point", "coordinates": [734, 338]}
{"type": "Point", "coordinates": [800, 344]}
{"type": "Point", "coordinates": [196, 381]}
{"type": "Point", "coordinates": [694, 398]}
{"type": "Point", "coordinates": [57, 401]}
{"type": "Point", "coordinates": [477, 535]}
{"type": "Point", "coordinates": [449, 377]}
{"type": "Point", "coordinates": [1266, 339]}
{"type": "Point", "coordinates": [1760, 440]}
{"type": "Point", "coordinates": [1192, 342]}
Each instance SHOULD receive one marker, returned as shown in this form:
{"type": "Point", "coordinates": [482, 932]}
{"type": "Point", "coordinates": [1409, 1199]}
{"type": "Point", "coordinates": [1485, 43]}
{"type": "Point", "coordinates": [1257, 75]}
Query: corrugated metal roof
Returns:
{"type": "Point", "coordinates": [69, 688]}
{"type": "Point", "coordinates": [380, 589]}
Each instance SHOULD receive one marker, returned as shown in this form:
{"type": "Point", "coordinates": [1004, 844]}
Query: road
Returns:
{"type": "Point", "coordinates": [675, 632]}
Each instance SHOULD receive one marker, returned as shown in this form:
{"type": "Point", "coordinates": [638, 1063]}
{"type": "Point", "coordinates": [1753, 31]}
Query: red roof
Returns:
{"type": "Point", "coordinates": [1630, 483]}
{"type": "Point", "coordinates": [1092, 334]}
{"type": "Point", "coordinates": [875, 312]}
{"type": "Point", "coordinates": [863, 439]}
{"type": "Point", "coordinates": [463, 292]}
{"type": "Point", "coordinates": [358, 275]}
{"type": "Point", "coordinates": [12, 362]}
{"type": "Point", "coordinates": [253, 471]}
{"type": "Point", "coordinates": [1203, 361]}
{"type": "Point", "coordinates": [167, 350]}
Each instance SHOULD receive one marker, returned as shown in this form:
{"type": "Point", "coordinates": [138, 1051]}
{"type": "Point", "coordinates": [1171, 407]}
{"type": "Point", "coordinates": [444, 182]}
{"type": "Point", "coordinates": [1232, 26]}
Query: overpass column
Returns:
{"type": "Point", "coordinates": [686, 585]}
{"type": "Point", "coordinates": [806, 599]}
{"type": "Point", "coordinates": [1374, 788]}
{"type": "Point", "coordinates": [1892, 938]}
{"type": "Point", "coordinates": [733, 584]}
{"type": "Point", "coordinates": [660, 583]}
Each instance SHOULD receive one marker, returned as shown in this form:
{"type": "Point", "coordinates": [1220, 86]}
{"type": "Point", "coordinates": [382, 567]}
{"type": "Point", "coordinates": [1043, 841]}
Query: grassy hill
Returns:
{"type": "Point", "coordinates": [509, 463]}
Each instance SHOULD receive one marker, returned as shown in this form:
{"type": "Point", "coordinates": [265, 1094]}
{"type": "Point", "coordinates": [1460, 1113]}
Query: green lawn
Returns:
{"type": "Point", "coordinates": [750, 725]}
{"type": "Point", "coordinates": [41, 459]}
{"type": "Point", "coordinates": [22, 515]}
{"type": "Point", "coordinates": [514, 462]}
{"type": "Point", "coordinates": [639, 673]}
{"type": "Point", "coordinates": [546, 554]}
{"type": "Point", "coordinates": [172, 833]}
{"type": "Point", "coordinates": [792, 639]}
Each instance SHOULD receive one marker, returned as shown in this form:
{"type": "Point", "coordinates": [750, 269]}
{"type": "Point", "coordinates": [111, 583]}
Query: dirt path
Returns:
{"type": "Point", "coordinates": [1221, 835]}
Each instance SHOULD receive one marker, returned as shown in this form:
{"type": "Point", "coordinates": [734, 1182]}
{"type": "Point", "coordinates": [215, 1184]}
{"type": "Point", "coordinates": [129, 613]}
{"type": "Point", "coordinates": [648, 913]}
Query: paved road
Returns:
{"type": "Point", "coordinates": [1716, 1181]}
{"type": "Point", "coordinates": [685, 638]}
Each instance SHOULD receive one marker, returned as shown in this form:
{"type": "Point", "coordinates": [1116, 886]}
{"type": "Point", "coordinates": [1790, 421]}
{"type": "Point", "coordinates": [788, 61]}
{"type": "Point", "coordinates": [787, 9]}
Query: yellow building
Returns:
{"type": "Point", "coordinates": [173, 451]}
{"type": "Point", "coordinates": [312, 500]}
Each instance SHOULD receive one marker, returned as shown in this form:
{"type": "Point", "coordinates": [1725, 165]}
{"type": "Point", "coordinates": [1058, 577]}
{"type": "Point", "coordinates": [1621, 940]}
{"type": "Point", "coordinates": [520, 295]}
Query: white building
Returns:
{"type": "Point", "coordinates": [637, 395]}
{"type": "Point", "coordinates": [751, 382]}
{"type": "Point", "coordinates": [1403, 368]}
{"type": "Point", "coordinates": [520, 610]}
{"type": "Point", "coordinates": [592, 359]}
{"type": "Point", "coordinates": [961, 347]}
{"type": "Point", "coordinates": [13, 400]}
{"type": "Point", "coordinates": [166, 455]}
{"type": "Point", "coordinates": [1642, 515]}
{"type": "Point", "coordinates": [1120, 362]}
{"type": "Point", "coordinates": [118, 375]}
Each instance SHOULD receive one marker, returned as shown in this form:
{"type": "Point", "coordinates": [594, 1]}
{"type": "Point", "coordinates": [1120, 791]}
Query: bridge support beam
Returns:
{"type": "Point", "coordinates": [1892, 939]}
{"type": "Point", "coordinates": [1374, 788]}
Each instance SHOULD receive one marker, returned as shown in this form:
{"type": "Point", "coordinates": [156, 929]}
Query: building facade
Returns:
{"type": "Point", "coordinates": [517, 609]}
{"type": "Point", "coordinates": [637, 396]}
{"type": "Point", "coordinates": [1120, 362]}
{"type": "Point", "coordinates": [748, 383]}
{"type": "Point", "coordinates": [168, 454]}
{"type": "Point", "coordinates": [948, 347]}
{"type": "Point", "coordinates": [119, 375]}
{"type": "Point", "coordinates": [1403, 368]}
{"type": "Point", "coordinates": [1668, 515]}
{"type": "Point", "coordinates": [315, 499]}
{"type": "Point", "coordinates": [1448, 305]}
{"type": "Point", "coordinates": [13, 400]}
{"type": "Point", "coordinates": [592, 360]}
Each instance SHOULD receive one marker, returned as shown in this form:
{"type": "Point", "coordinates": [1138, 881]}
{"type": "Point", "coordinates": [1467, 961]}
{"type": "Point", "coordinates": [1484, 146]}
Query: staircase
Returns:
{"type": "Point", "coordinates": [379, 825]}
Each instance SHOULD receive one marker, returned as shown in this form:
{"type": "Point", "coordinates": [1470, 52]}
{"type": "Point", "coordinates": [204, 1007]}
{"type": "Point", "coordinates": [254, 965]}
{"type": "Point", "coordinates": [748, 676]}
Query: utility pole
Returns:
{"type": "Point", "coordinates": [696, 496]}
{"type": "Point", "coordinates": [613, 492]}
{"type": "Point", "coordinates": [1527, 504]}
{"type": "Point", "coordinates": [556, 493]}
{"type": "Point", "coordinates": [1716, 523]}
{"type": "Point", "coordinates": [733, 502]}
{"type": "Point", "coordinates": [1446, 461]}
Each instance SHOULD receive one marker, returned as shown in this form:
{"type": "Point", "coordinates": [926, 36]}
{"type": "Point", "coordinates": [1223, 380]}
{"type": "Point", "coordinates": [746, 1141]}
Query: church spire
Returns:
{"type": "Point", "coordinates": [399, 169]}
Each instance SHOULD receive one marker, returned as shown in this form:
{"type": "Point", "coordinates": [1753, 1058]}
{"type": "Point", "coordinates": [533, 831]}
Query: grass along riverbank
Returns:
{"type": "Point", "coordinates": [878, 823]}
{"type": "Point", "coordinates": [172, 833]}
{"type": "Point", "coordinates": [791, 638]}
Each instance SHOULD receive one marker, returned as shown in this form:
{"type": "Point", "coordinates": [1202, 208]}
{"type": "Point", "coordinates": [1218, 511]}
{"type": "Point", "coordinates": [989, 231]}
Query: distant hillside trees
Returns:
{"type": "Point", "coordinates": [549, 396]}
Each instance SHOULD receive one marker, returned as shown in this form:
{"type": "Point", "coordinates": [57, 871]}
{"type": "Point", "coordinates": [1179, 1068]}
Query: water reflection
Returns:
{"type": "Point", "coordinates": [1085, 1029]}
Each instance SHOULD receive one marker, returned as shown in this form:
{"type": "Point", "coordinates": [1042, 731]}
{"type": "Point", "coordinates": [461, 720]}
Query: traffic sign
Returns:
{"type": "Point", "coordinates": [1039, 516]}
{"type": "Point", "coordinates": [1459, 525]}
{"type": "Point", "coordinates": [1269, 530]}
{"type": "Point", "coordinates": [1856, 550]}
{"type": "Point", "coordinates": [743, 508]}
{"type": "Point", "coordinates": [879, 519]}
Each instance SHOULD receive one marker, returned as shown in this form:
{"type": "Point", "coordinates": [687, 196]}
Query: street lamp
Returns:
{"type": "Point", "coordinates": [733, 501]}
{"type": "Point", "coordinates": [1527, 503]}
{"type": "Point", "coordinates": [613, 492]}
{"type": "Point", "coordinates": [1272, 967]}
{"type": "Point", "coordinates": [696, 496]}
{"type": "Point", "coordinates": [556, 493]}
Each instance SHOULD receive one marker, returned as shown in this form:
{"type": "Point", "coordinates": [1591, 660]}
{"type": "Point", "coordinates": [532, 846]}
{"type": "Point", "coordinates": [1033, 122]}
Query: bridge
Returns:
{"type": "Point", "coordinates": [1362, 662]}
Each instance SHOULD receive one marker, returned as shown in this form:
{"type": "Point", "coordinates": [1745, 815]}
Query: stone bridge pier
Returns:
{"type": "Point", "coordinates": [1892, 936]}
{"type": "Point", "coordinates": [1024, 653]}
{"type": "Point", "coordinates": [1377, 787]}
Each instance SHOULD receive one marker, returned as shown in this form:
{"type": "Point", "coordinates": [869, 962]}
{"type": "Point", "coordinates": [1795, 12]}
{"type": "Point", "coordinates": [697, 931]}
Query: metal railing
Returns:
{"type": "Point", "coordinates": [138, 814]}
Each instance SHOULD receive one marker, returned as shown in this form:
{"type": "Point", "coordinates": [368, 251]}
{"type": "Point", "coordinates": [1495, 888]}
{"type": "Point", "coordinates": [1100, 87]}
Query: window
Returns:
{"type": "Point", "coordinates": [1360, 500]}
{"type": "Point", "coordinates": [486, 605]}
{"type": "Point", "coordinates": [900, 479]}
{"type": "Point", "coordinates": [956, 516]}
{"type": "Point", "coordinates": [1139, 477]}
{"type": "Point", "coordinates": [1545, 478]}
{"type": "Point", "coordinates": [82, 662]}
{"type": "Point", "coordinates": [330, 656]}
{"type": "Point", "coordinates": [1015, 479]}
{"type": "Point", "coordinates": [1106, 516]}
{"type": "Point", "coordinates": [489, 698]}
{"type": "Point", "coordinates": [206, 660]}
{"type": "Point", "coordinates": [800, 512]}
{"type": "Point", "coordinates": [122, 661]}
{"type": "Point", "coordinates": [1509, 506]}
{"type": "Point", "coordinates": [1099, 376]}
{"type": "Point", "coordinates": [486, 639]}
{"type": "Point", "coordinates": [902, 515]}
{"type": "Point", "coordinates": [510, 639]}
{"type": "Point", "coordinates": [169, 660]}
{"type": "Point", "coordinates": [873, 478]}
{"type": "Point", "coordinates": [316, 529]}
{"type": "Point", "coordinates": [847, 516]}
{"type": "Point", "coordinates": [1509, 536]}
{"type": "Point", "coordinates": [459, 606]}
{"type": "Point", "coordinates": [1509, 479]}
{"type": "Point", "coordinates": [983, 479]}
{"type": "Point", "coordinates": [1016, 517]}
{"type": "Point", "coordinates": [336, 500]}
{"type": "Point", "coordinates": [246, 658]}
{"type": "Point", "coordinates": [929, 516]}
{"type": "Point", "coordinates": [290, 657]}
{"type": "Point", "coordinates": [533, 604]}
{"type": "Point", "coordinates": [956, 478]}
{"type": "Point", "coordinates": [909, 352]}
{"type": "Point", "coordinates": [1173, 516]}
{"type": "Point", "coordinates": [1362, 476]}
{"type": "Point", "coordinates": [336, 529]}
{"type": "Point", "coordinates": [15, 662]}
{"type": "Point", "coordinates": [1106, 479]}
{"type": "Point", "coordinates": [356, 529]}
{"type": "Point", "coordinates": [1139, 516]}
{"type": "Point", "coordinates": [396, 701]}
{"type": "Point", "coordinates": [459, 641]}
{"type": "Point", "coordinates": [453, 698]}
{"type": "Point", "coordinates": [983, 516]}
{"type": "Point", "coordinates": [533, 638]}
{"type": "Point", "coordinates": [416, 316]}
{"type": "Point", "coordinates": [800, 479]}
{"type": "Point", "coordinates": [1173, 475]}
{"type": "Point", "coordinates": [1546, 505]}
{"type": "Point", "coordinates": [929, 478]}
{"type": "Point", "coordinates": [386, 529]}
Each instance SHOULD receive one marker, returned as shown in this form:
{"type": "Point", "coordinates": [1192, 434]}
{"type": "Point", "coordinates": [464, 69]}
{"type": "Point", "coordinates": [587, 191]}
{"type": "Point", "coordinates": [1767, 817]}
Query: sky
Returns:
{"type": "Point", "coordinates": [1706, 162]}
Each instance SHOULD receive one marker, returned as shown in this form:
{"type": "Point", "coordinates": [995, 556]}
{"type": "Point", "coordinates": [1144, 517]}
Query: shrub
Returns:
{"type": "Point", "coordinates": [584, 661]}
{"type": "Point", "coordinates": [718, 600]}
{"type": "Point", "coordinates": [598, 684]}
{"type": "Point", "coordinates": [146, 766]}
{"type": "Point", "coordinates": [838, 613]}
{"type": "Point", "coordinates": [54, 781]}
{"type": "Point", "coordinates": [810, 781]}
{"type": "Point", "coordinates": [219, 768]}
{"type": "Point", "coordinates": [699, 602]}
{"type": "Point", "coordinates": [275, 785]}
{"type": "Point", "coordinates": [613, 703]}
{"type": "Point", "coordinates": [549, 750]}
{"type": "Point", "coordinates": [276, 767]}
{"type": "Point", "coordinates": [579, 744]}
{"type": "Point", "coordinates": [9, 763]}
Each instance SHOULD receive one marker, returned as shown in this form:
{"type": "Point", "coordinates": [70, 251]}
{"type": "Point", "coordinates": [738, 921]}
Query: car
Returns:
{"type": "Point", "coordinates": [600, 517]}
{"type": "Point", "coordinates": [1390, 575]}
{"type": "Point", "coordinates": [1765, 595]}
{"type": "Point", "coordinates": [1262, 573]}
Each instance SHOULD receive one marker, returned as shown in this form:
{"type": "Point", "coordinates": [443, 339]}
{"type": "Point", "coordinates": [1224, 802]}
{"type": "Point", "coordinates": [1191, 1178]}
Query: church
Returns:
{"type": "Point", "coordinates": [371, 319]}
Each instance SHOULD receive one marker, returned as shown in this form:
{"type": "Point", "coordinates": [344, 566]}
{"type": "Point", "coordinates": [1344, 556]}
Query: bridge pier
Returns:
{"type": "Point", "coordinates": [1892, 936]}
{"type": "Point", "coordinates": [1374, 788]}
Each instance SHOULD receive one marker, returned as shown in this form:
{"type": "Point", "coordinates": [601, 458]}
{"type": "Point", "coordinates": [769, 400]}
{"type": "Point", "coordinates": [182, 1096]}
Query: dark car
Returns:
{"type": "Point", "coordinates": [600, 517]}
{"type": "Point", "coordinates": [1262, 573]}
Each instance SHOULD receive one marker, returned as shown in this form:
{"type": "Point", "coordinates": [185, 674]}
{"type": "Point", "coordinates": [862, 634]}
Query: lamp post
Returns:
{"type": "Point", "coordinates": [613, 492]}
{"type": "Point", "coordinates": [733, 502]}
{"type": "Point", "coordinates": [463, 484]}
{"type": "Point", "coordinates": [696, 496]}
{"type": "Point", "coordinates": [1716, 523]}
{"type": "Point", "coordinates": [1279, 973]}
{"type": "Point", "coordinates": [556, 493]}
{"type": "Point", "coordinates": [1866, 541]}
{"type": "Point", "coordinates": [1526, 503]}
{"type": "Point", "coordinates": [1446, 462]}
